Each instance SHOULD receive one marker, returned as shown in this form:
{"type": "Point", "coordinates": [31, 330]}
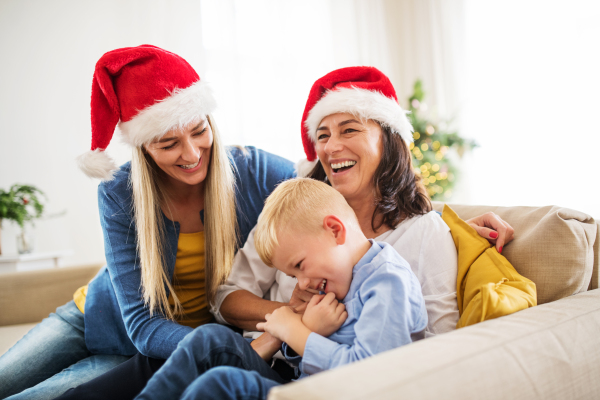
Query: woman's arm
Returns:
{"type": "Point", "coordinates": [266, 346]}
{"type": "Point", "coordinates": [153, 336]}
{"type": "Point", "coordinates": [240, 301]}
{"type": "Point", "coordinates": [244, 309]}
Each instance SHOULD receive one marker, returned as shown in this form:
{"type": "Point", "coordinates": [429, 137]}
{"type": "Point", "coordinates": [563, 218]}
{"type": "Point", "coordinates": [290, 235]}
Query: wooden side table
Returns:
{"type": "Point", "coordinates": [33, 261]}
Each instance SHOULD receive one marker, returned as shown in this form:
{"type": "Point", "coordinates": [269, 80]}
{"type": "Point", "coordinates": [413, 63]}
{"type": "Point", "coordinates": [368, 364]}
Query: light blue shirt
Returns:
{"type": "Point", "coordinates": [385, 310]}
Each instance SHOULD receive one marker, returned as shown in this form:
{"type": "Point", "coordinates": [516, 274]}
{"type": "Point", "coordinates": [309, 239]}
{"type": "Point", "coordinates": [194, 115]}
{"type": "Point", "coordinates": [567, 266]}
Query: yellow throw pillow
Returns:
{"type": "Point", "coordinates": [487, 286]}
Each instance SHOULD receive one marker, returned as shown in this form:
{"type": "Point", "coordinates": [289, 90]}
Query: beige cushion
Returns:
{"type": "Point", "coordinates": [548, 352]}
{"type": "Point", "coordinates": [553, 246]}
{"type": "Point", "coordinates": [30, 296]}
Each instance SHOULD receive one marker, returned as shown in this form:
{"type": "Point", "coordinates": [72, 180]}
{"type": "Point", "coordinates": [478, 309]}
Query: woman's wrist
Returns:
{"type": "Point", "coordinates": [266, 346]}
{"type": "Point", "coordinates": [244, 309]}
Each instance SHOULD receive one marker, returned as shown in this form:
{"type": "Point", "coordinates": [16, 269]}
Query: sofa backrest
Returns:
{"type": "Point", "coordinates": [555, 247]}
{"type": "Point", "coordinates": [29, 296]}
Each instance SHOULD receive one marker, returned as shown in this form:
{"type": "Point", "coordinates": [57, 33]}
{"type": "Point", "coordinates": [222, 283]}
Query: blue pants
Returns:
{"type": "Point", "coordinates": [51, 358]}
{"type": "Point", "coordinates": [212, 362]}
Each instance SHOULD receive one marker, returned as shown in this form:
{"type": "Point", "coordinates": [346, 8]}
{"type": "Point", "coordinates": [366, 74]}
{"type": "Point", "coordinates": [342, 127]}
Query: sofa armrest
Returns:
{"type": "Point", "coordinates": [27, 297]}
{"type": "Point", "coordinates": [550, 351]}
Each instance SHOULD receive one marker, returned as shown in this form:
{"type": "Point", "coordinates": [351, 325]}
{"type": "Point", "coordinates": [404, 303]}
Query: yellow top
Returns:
{"type": "Point", "coordinates": [188, 281]}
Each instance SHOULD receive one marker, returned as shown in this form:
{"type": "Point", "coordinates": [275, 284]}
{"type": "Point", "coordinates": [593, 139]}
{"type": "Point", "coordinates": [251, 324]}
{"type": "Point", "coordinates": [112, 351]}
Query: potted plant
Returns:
{"type": "Point", "coordinates": [21, 203]}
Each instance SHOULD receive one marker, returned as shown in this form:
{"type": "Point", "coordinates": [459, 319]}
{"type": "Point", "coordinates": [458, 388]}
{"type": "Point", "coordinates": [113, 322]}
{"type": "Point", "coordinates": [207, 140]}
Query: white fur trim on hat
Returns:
{"type": "Point", "coordinates": [303, 167]}
{"type": "Point", "coordinates": [183, 107]}
{"type": "Point", "coordinates": [97, 164]}
{"type": "Point", "coordinates": [365, 104]}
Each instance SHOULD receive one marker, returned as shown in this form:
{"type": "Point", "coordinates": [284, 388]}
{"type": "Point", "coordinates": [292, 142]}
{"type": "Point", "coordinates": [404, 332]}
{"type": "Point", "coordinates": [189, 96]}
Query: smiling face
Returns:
{"type": "Point", "coordinates": [184, 154]}
{"type": "Point", "coordinates": [350, 151]}
{"type": "Point", "coordinates": [320, 261]}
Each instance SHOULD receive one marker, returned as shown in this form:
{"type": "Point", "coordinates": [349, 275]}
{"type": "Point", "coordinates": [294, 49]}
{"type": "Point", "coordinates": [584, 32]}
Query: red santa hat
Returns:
{"type": "Point", "coordinates": [364, 92]}
{"type": "Point", "coordinates": [148, 91]}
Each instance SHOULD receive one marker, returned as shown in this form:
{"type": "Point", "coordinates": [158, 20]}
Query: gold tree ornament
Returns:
{"type": "Point", "coordinates": [432, 146]}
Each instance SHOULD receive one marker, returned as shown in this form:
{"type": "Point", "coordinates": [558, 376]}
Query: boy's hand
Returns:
{"type": "Point", "coordinates": [300, 299]}
{"type": "Point", "coordinates": [324, 314]}
{"type": "Point", "coordinates": [280, 323]}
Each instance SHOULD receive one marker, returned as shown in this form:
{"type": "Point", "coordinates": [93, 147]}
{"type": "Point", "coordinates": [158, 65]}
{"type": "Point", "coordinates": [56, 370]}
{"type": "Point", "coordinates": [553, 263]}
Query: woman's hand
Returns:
{"type": "Point", "coordinates": [324, 314]}
{"type": "Point", "coordinates": [300, 299]}
{"type": "Point", "coordinates": [280, 323]}
{"type": "Point", "coordinates": [500, 233]}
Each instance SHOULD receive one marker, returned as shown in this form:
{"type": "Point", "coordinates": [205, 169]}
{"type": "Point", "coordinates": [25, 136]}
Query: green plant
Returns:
{"type": "Point", "coordinates": [21, 203]}
{"type": "Point", "coordinates": [430, 148]}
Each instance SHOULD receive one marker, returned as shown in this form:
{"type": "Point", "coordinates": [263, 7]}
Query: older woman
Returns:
{"type": "Point", "coordinates": [355, 137]}
{"type": "Point", "coordinates": [354, 124]}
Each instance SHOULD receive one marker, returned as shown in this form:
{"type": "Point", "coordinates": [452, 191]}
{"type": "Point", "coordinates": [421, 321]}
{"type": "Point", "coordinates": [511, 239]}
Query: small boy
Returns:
{"type": "Point", "coordinates": [371, 302]}
{"type": "Point", "coordinates": [308, 231]}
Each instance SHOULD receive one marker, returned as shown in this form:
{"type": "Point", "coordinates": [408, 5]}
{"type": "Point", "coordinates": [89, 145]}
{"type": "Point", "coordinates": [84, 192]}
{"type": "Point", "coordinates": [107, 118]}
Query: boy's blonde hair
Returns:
{"type": "Point", "coordinates": [301, 204]}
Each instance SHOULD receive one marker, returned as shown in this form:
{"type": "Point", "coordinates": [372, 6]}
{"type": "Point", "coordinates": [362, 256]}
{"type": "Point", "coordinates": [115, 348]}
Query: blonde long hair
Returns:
{"type": "Point", "coordinates": [220, 225]}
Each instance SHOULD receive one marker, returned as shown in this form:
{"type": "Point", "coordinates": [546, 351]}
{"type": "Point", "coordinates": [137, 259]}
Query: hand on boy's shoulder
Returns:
{"type": "Point", "coordinates": [324, 314]}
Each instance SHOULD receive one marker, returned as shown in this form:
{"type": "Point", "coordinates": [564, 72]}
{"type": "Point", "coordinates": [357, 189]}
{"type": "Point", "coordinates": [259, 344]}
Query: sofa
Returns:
{"type": "Point", "coordinates": [28, 297]}
{"type": "Point", "coordinates": [551, 351]}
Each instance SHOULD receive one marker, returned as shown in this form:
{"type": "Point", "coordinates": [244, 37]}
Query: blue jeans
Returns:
{"type": "Point", "coordinates": [52, 358]}
{"type": "Point", "coordinates": [212, 362]}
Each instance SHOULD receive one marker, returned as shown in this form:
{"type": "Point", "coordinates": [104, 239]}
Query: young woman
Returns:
{"type": "Point", "coordinates": [172, 220]}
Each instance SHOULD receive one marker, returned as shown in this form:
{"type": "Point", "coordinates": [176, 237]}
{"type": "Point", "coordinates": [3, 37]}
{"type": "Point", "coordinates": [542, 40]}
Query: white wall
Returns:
{"type": "Point", "coordinates": [533, 89]}
{"type": "Point", "coordinates": [530, 84]}
{"type": "Point", "coordinates": [48, 51]}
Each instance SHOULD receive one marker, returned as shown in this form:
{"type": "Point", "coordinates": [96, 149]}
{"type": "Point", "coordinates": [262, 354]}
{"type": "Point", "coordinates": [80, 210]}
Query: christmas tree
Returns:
{"type": "Point", "coordinates": [430, 150]}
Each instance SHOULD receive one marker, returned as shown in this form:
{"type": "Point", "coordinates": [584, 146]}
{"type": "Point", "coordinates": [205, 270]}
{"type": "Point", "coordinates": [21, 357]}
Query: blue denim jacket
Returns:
{"type": "Point", "coordinates": [116, 320]}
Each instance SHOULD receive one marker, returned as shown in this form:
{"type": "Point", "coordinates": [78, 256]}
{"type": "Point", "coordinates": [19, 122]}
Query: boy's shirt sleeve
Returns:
{"type": "Point", "coordinates": [290, 355]}
{"type": "Point", "coordinates": [392, 308]}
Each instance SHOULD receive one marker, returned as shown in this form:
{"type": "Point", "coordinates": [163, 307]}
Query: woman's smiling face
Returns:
{"type": "Point", "coordinates": [184, 154]}
{"type": "Point", "coordinates": [350, 151]}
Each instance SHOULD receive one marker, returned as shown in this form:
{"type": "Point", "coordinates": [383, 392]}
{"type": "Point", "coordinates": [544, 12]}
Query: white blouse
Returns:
{"type": "Point", "coordinates": [424, 241]}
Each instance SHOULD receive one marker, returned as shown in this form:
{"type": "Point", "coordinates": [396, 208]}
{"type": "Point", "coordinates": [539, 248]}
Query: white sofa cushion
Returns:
{"type": "Point", "coordinates": [550, 351]}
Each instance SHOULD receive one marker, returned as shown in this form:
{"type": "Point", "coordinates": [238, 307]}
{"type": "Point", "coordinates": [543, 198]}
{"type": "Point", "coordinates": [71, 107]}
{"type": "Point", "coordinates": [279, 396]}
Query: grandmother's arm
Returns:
{"type": "Point", "coordinates": [244, 309]}
{"type": "Point", "coordinates": [240, 301]}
